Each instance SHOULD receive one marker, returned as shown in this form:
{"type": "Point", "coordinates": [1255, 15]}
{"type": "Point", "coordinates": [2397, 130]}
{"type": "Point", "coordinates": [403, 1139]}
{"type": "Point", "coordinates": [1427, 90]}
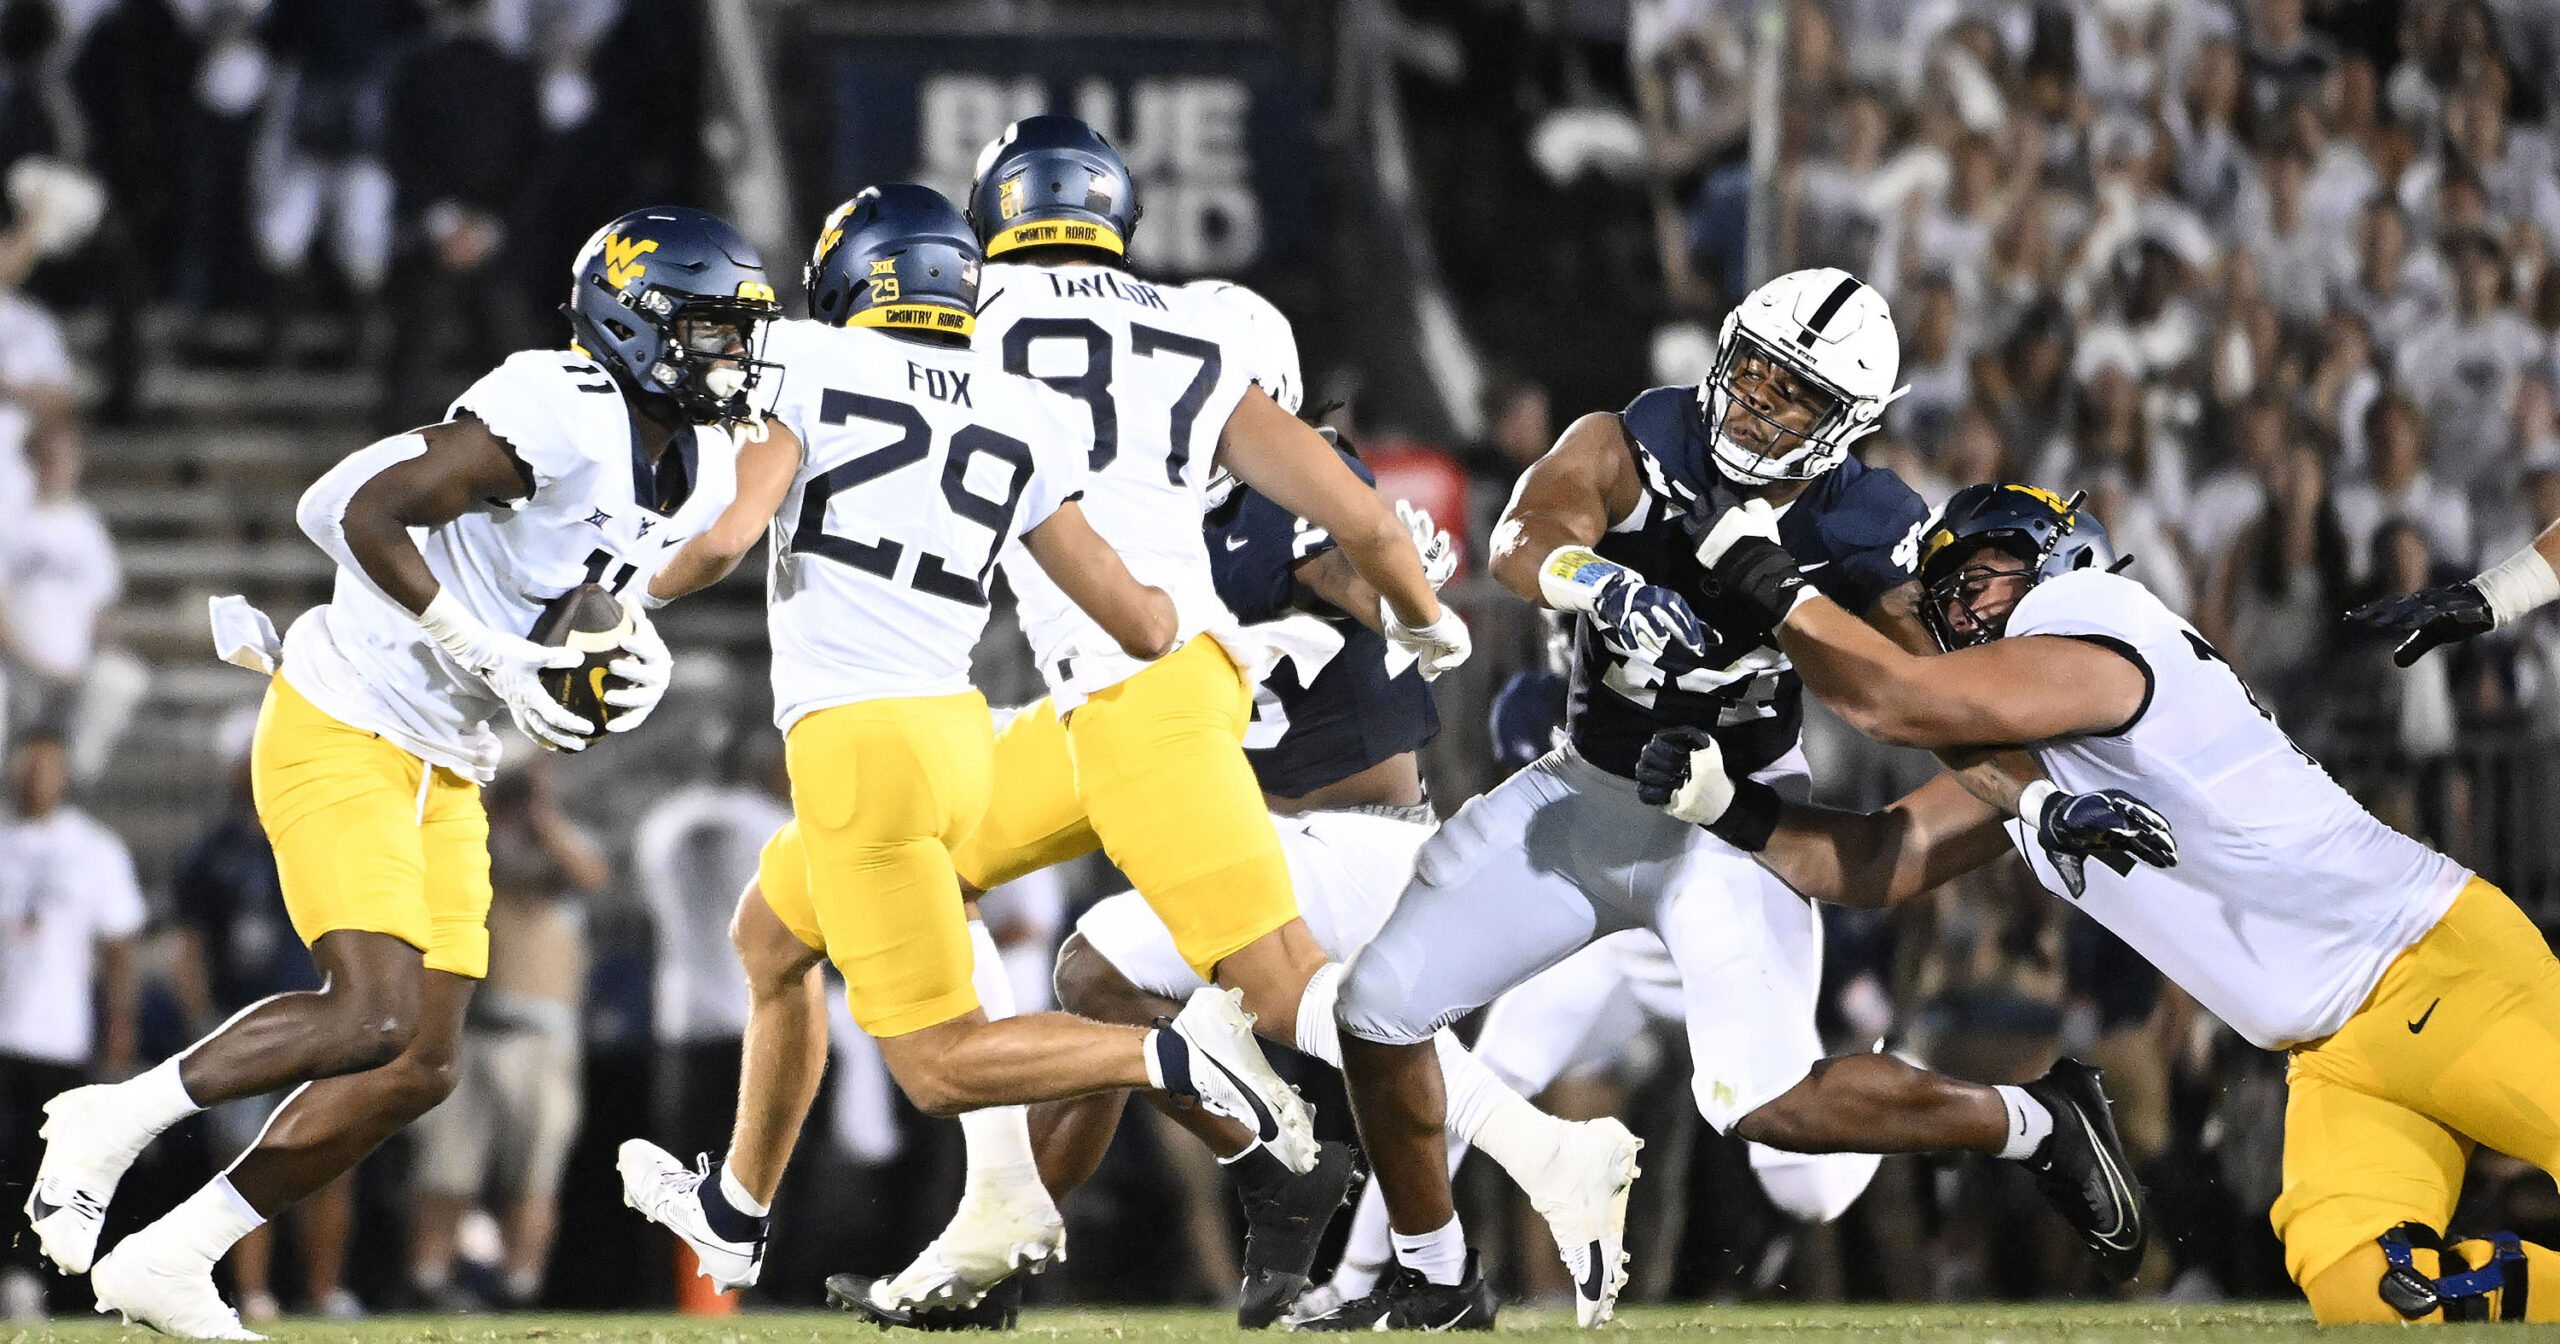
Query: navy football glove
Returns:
{"type": "Point", "coordinates": [1682, 772]}
{"type": "Point", "coordinates": [2111, 826]}
{"type": "Point", "coordinates": [1646, 617]}
{"type": "Point", "coordinates": [2429, 617]}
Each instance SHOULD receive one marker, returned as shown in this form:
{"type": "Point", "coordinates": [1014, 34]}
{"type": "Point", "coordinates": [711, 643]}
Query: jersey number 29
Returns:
{"type": "Point", "coordinates": [934, 573]}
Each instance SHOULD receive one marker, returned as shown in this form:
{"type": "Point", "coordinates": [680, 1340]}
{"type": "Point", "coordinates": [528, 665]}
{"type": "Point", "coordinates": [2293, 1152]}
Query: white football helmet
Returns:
{"type": "Point", "coordinates": [1271, 348]}
{"type": "Point", "coordinates": [1829, 329]}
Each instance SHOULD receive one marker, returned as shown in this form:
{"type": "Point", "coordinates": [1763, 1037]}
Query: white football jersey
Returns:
{"type": "Point", "coordinates": [923, 464]}
{"type": "Point", "coordinates": [1155, 383]}
{"type": "Point", "coordinates": [593, 516]}
{"type": "Point", "coordinates": [2288, 898]}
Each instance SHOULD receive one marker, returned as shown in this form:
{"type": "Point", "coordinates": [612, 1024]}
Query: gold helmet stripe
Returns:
{"type": "Point", "coordinates": [916, 317]}
{"type": "Point", "coordinates": [1048, 232]}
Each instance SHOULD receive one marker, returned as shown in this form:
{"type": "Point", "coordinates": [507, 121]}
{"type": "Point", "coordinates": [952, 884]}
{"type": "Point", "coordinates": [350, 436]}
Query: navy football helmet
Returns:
{"type": "Point", "coordinates": [2051, 534]}
{"type": "Point", "coordinates": [897, 256]}
{"type": "Point", "coordinates": [673, 302]}
{"type": "Point", "coordinates": [1052, 181]}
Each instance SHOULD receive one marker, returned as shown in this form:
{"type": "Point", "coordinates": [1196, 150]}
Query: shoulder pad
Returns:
{"type": "Point", "coordinates": [557, 410]}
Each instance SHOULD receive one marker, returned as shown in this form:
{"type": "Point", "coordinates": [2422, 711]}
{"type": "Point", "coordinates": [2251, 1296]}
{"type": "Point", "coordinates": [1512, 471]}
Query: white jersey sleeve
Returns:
{"type": "Point", "coordinates": [600, 511]}
{"type": "Point", "coordinates": [1154, 374]}
{"type": "Point", "coordinates": [2288, 898]}
{"type": "Point", "coordinates": [922, 464]}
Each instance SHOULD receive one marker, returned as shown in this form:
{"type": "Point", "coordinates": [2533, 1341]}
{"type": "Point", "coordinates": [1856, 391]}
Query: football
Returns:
{"type": "Point", "coordinates": [590, 619]}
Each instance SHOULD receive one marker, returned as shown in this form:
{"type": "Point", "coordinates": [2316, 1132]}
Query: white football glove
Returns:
{"type": "Point", "coordinates": [1439, 556]}
{"type": "Point", "coordinates": [1751, 518]}
{"type": "Point", "coordinates": [512, 666]}
{"type": "Point", "coordinates": [645, 664]}
{"type": "Point", "coordinates": [1439, 646]}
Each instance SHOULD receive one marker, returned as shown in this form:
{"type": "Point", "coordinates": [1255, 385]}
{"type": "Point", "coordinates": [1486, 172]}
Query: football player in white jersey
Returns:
{"type": "Point", "coordinates": [1161, 403]}
{"type": "Point", "coordinates": [561, 467]}
{"type": "Point", "coordinates": [2420, 1006]}
{"type": "Point", "coordinates": [924, 462]}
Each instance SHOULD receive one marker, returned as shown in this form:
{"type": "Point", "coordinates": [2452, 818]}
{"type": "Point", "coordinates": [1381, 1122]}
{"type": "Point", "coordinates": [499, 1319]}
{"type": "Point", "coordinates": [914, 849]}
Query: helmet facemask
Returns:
{"type": "Point", "coordinates": [1960, 588]}
{"type": "Point", "coordinates": [711, 353]}
{"type": "Point", "coordinates": [1790, 454]}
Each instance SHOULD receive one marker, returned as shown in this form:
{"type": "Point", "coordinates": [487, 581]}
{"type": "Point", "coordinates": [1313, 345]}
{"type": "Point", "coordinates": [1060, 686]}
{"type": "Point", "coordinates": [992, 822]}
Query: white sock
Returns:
{"type": "Point", "coordinates": [735, 1191]}
{"type": "Point", "coordinates": [1519, 1136]}
{"type": "Point", "coordinates": [158, 1097]}
{"type": "Point", "coordinates": [2029, 1123]}
{"type": "Point", "coordinates": [1317, 1034]}
{"type": "Point", "coordinates": [1438, 1256]}
{"type": "Point", "coordinates": [1365, 1255]}
{"type": "Point", "coordinates": [1474, 1091]}
{"type": "Point", "coordinates": [210, 1221]}
{"type": "Point", "coordinates": [998, 1138]}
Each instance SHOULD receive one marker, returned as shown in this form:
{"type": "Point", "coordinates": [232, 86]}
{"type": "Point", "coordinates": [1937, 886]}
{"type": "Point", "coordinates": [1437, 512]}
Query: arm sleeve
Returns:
{"type": "Point", "coordinates": [322, 511]}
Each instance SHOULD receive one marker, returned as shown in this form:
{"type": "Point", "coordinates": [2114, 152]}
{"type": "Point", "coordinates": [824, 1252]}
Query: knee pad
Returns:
{"type": "Point", "coordinates": [1377, 1001]}
{"type": "Point", "coordinates": [2460, 1289]}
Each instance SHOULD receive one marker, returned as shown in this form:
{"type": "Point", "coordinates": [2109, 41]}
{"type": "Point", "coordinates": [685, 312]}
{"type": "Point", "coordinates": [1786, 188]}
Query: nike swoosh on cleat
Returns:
{"type": "Point", "coordinates": [1599, 1275]}
{"type": "Point", "coordinates": [2115, 1238]}
{"type": "Point", "coordinates": [39, 1209]}
{"type": "Point", "coordinates": [1236, 543]}
{"type": "Point", "coordinates": [1265, 1126]}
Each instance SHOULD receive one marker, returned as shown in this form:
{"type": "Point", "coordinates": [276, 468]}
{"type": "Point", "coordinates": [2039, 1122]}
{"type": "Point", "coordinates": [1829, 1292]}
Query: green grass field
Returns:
{"type": "Point", "coordinates": [1988, 1324]}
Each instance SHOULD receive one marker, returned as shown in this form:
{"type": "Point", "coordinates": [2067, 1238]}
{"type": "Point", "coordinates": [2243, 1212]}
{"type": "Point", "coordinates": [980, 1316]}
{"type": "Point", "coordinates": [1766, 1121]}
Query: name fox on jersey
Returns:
{"type": "Point", "coordinates": [951, 385]}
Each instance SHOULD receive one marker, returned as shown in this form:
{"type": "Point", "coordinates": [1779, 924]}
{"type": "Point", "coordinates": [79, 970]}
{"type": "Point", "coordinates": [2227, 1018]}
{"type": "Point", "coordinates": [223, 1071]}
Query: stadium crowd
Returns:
{"type": "Point", "coordinates": [2273, 281]}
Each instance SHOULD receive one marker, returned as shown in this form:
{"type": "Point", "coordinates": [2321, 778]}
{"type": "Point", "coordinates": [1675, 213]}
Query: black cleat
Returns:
{"type": "Point", "coordinates": [1285, 1215]}
{"type": "Point", "coordinates": [2082, 1168]}
{"type": "Point", "coordinates": [1000, 1309]}
{"type": "Point", "coordinates": [1407, 1301]}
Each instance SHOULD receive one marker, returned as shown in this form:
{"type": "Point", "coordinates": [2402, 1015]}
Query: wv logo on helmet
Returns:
{"type": "Point", "coordinates": [622, 258]}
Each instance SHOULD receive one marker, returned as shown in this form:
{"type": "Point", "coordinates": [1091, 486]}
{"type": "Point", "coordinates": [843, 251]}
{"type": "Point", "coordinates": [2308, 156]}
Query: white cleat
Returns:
{"type": "Point", "coordinates": [669, 1193]}
{"type": "Point", "coordinates": [1582, 1192]}
{"type": "Point", "coordinates": [164, 1287]}
{"type": "Point", "coordinates": [997, 1232]}
{"type": "Point", "coordinates": [1232, 1078]}
{"type": "Point", "coordinates": [89, 1141]}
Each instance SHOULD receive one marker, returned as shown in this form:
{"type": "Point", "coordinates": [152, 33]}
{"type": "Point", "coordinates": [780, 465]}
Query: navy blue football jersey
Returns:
{"type": "Point", "coordinates": [1352, 715]}
{"type": "Point", "coordinates": [1855, 531]}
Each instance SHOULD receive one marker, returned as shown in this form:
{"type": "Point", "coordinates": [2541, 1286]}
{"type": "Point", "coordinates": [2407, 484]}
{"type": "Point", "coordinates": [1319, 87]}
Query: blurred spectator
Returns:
{"type": "Point", "coordinates": [2287, 60]}
{"type": "Point", "coordinates": [58, 575]}
{"type": "Point", "coordinates": [2401, 490]}
{"type": "Point", "coordinates": [516, 1103]}
{"type": "Point", "coordinates": [2464, 368]}
{"type": "Point", "coordinates": [692, 854]}
{"type": "Point", "coordinates": [318, 156]}
{"type": "Point", "coordinates": [2394, 289]}
{"type": "Point", "coordinates": [1933, 368]}
{"type": "Point", "coordinates": [465, 130]}
{"type": "Point", "coordinates": [235, 945]}
{"type": "Point", "coordinates": [2214, 167]}
{"type": "Point", "coordinates": [1687, 63]}
{"type": "Point", "coordinates": [2279, 585]}
{"type": "Point", "coordinates": [69, 908]}
{"type": "Point", "coordinates": [2294, 260]}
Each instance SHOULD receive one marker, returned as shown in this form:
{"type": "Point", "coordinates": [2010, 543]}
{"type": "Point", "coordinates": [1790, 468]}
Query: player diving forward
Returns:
{"type": "Point", "coordinates": [924, 461]}
{"type": "Point", "coordinates": [1145, 761]}
{"type": "Point", "coordinates": [1563, 852]}
{"type": "Point", "coordinates": [560, 467]}
{"type": "Point", "coordinates": [1333, 745]}
{"type": "Point", "coordinates": [2420, 1006]}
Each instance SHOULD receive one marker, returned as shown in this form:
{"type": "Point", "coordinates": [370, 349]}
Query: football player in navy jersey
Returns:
{"type": "Point", "coordinates": [1606, 526]}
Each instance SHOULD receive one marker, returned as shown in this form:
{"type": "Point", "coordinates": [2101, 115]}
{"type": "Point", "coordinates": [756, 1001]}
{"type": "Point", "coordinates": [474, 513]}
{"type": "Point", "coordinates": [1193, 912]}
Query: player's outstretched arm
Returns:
{"type": "Point", "coordinates": [2500, 595]}
{"type": "Point", "coordinates": [2008, 692]}
{"type": "Point", "coordinates": [766, 468]}
{"type": "Point", "coordinates": [1282, 457]}
{"type": "Point", "coordinates": [1091, 574]}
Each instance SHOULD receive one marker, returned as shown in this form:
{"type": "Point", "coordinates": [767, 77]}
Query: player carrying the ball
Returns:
{"type": "Point", "coordinates": [557, 469]}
